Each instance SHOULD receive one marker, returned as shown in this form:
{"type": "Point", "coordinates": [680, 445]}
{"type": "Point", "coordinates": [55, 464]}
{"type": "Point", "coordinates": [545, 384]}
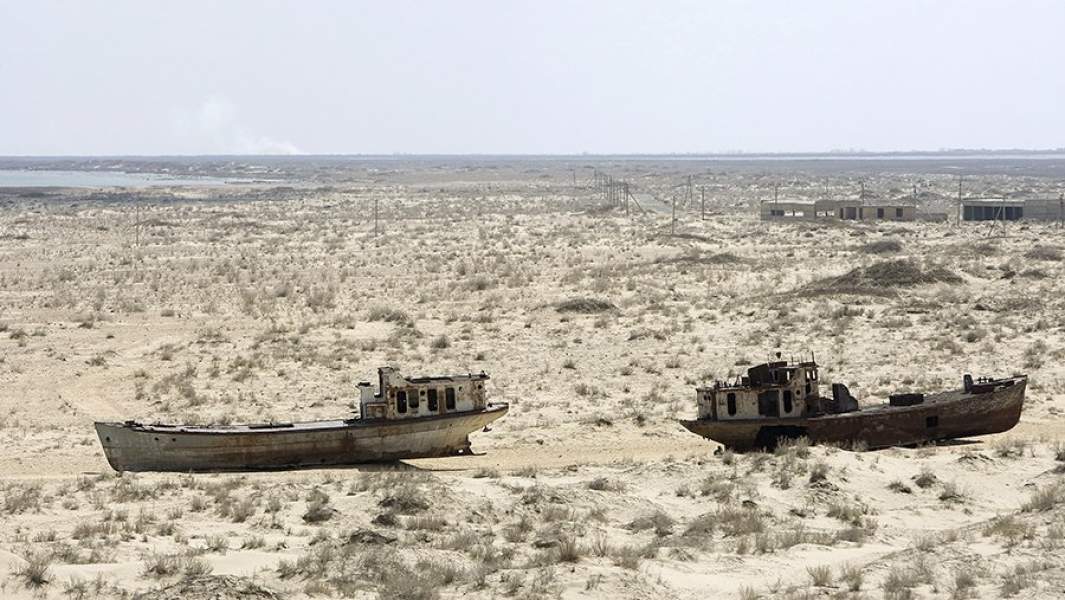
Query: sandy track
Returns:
{"type": "Point", "coordinates": [547, 456]}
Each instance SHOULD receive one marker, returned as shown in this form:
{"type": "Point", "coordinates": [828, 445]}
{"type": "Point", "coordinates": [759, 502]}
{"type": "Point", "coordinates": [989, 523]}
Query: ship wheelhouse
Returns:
{"type": "Point", "coordinates": [774, 390]}
{"type": "Point", "coordinates": [400, 397]}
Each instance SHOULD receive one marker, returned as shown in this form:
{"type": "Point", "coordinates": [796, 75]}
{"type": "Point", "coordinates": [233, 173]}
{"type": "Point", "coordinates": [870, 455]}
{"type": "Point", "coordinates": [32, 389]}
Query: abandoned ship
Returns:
{"type": "Point", "coordinates": [417, 417]}
{"type": "Point", "coordinates": [779, 400]}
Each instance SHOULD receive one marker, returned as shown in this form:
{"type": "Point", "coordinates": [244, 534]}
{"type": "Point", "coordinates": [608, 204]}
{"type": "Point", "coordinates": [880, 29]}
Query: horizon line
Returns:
{"type": "Point", "coordinates": [729, 154]}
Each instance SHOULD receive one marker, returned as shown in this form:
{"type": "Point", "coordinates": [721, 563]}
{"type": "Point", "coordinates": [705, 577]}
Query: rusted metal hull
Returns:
{"type": "Point", "coordinates": [135, 447]}
{"type": "Point", "coordinates": [947, 415]}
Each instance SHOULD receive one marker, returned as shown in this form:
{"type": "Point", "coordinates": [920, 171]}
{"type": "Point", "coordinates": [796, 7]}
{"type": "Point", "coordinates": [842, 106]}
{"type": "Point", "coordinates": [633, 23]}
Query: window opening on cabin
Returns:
{"type": "Point", "coordinates": [769, 403]}
{"type": "Point", "coordinates": [787, 401]}
{"type": "Point", "coordinates": [932, 421]}
{"type": "Point", "coordinates": [898, 213]}
{"type": "Point", "coordinates": [401, 401]}
{"type": "Point", "coordinates": [412, 399]}
{"type": "Point", "coordinates": [731, 404]}
{"type": "Point", "coordinates": [449, 398]}
{"type": "Point", "coordinates": [433, 406]}
{"type": "Point", "coordinates": [880, 213]}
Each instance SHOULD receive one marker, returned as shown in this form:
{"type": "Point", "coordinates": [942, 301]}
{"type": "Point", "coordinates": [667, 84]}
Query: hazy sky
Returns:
{"type": "Point", "coordinates": [146, 77]}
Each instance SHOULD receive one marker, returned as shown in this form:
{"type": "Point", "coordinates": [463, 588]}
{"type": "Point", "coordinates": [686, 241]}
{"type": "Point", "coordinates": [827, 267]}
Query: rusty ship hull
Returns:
{"type": "Point", "coordinates": [942, 416]}
{"type": "Point", "coordinates": [135, 447]}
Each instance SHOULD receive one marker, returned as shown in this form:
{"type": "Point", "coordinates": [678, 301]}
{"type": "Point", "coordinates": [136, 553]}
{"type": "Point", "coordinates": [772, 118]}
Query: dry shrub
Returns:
{"type": "Point", "coordinates": [882, 247]}
{"type": "Point", "coordinates": [695, 258]}
{"type": "Point", "coordinates": [37, 571]}
{"type": "Point", "coordinates": [389, 315]}
{"type": "Point", "coordinates": [1045, 498]}
{"type": "Point", "coordinates": [1048, 253]}
{"type": "Point", "coordinates": [605, 484]}
{"type": "Point", "coordinates": [318, 508]}
{"type": "Point", "coordinates": [405, 499]}
{"type": "Point", "coordinates": [820, 576]}
{"type": "Point", "coordinates": [659, 521]}
{"type": "Point", "coordinates": [882, 278]}
{"type": "Point", "coordinates": [584, 305]}
{"type": "Point", "coordinates": [162, 565]}
{"type": "Point", "coordinates": [739, 521]}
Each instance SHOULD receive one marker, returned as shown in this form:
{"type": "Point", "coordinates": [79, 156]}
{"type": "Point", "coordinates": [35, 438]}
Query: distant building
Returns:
{"type": "Point", "coordinates": [847, 210]}
{"type": "Point", "coordinates": [856, 211]}
{"type": "Point", "coordinates": [787, 210]}
{"type": "Point", "coordinates": [1012, 209]}
{"type": "Point", "coordinates": [992, 209]}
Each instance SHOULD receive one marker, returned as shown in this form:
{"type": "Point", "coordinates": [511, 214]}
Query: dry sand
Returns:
{"type": "Point", "coordinates": [252, 304]}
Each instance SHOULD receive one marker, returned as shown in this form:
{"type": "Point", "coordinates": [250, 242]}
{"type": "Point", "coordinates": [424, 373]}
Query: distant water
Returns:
{"type": "Point", "coordinates": [92, 179]}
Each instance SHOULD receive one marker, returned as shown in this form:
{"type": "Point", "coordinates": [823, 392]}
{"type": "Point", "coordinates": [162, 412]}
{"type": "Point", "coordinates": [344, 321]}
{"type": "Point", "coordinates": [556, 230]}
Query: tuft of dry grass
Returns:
{"type": "Point", "coordinates": [37, 571]}
{"type": "Point", "coordinates": [820, 576]}
{"type": "Point", "coordinates": [1045, 498]}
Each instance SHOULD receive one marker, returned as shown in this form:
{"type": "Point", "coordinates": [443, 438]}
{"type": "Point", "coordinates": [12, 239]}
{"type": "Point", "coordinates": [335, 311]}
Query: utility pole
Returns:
{"type": "Point", "coordinates": [626, 198]}
{"type": "Point", "coordinates": [702, 203]}
{"type": "Point", "coordinates": [375, 217]}
{"type": "Point", "coordinates": [959, 198]}
{"type": "Point", "coordinates": [673, 220]}
{"type": "Point", "coordinates": [137, 238]}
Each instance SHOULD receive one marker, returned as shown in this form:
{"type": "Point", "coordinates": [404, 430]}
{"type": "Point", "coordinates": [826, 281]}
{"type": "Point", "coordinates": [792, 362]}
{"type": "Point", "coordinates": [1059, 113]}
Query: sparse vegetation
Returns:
{"type": "Point", "coordinates": [264, 305]}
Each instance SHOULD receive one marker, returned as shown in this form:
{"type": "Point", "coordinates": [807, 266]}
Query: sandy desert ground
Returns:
{"type": "Point", "coordinates": [271, 300]}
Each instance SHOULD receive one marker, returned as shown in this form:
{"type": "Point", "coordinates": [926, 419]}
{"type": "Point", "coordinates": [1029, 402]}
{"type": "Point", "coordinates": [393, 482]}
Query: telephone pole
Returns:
{"type": "Point", "coordinates": [673, 220]}
{"type": "Point", "coordinates": [959, 198]}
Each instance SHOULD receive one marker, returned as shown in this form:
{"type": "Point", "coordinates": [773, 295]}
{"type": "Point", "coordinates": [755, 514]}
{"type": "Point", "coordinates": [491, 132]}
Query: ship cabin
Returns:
{"type": "Point", "coordinates": [400, 397]}
{"type": "Point", "coordinates": [774, 390]}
